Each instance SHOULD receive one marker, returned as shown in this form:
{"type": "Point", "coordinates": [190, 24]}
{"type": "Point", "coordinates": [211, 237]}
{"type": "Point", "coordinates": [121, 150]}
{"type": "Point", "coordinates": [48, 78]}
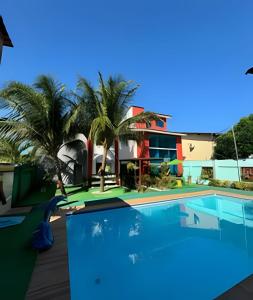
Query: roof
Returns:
{"type": "Point", "coordinates": [158, 114]}
{"type": "Point", "coordinates": [200, 133]}
{"type": "Point", "coordinates": [6, 39]}
{"type": "Point", "coordinates": [140, 158]}
{"type": "Point", "coordinates": [159, 131]}
{"type": "Point", "coordinates": [163, 115]}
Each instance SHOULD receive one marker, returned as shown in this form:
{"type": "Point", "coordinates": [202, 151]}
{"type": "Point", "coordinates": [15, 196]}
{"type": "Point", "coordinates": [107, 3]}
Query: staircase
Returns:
{"type": "Point", "coordinates": [110, 180]}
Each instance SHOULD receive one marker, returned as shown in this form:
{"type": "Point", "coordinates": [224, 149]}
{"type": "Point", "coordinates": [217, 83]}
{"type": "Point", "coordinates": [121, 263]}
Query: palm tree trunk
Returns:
{"type": "Point", "coordinates": [58, 173]}
{"type": "Point", "coordinates": [102, 174]}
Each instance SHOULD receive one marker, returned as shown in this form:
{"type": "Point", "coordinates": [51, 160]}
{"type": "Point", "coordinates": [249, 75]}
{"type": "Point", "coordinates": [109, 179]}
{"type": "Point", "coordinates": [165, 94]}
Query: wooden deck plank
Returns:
{"type": "Point", "coordinates": [50, 278]}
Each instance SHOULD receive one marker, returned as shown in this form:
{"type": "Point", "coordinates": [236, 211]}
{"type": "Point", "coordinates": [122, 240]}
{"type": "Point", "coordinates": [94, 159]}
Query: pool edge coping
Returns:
{"type": "Point", "coordinates": [151, 199]}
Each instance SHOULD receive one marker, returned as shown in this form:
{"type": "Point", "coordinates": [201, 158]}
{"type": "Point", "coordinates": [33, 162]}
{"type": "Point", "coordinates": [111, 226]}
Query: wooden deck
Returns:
{"type": "Point", "coordinates": [50, 278]}
{"type": "Point", "coordinates": [242, 291]}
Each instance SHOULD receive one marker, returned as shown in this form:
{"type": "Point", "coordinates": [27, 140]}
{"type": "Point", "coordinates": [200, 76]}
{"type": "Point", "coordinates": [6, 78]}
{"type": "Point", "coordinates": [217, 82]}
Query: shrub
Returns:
{"type": "Point", "coordinates": [146, 180]}
{"type": "Point", "coordinates": [154, 171]}
{"type": "Point", "coordinates": [166, 182]}
{"type": "Point", "coordinates": [239, 185]}
{"type": "Point", "coordinates": [214, 182]}
{"type": "Point", "coordinates": [225, 183]}
{"type": "Point", "coordinates": [164, 169]}
{"type": "Point", "coordinates": [249, 186]}
{"type": "Point", "coordinates": [141, 188]}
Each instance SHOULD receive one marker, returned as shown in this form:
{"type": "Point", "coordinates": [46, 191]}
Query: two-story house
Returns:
{"type": "Point", "coordinates": [158, 145]}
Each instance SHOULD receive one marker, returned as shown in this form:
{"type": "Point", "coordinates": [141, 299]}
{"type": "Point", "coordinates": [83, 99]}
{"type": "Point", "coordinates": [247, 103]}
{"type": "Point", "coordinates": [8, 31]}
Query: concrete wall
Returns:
{"type": "Point", "coordinates": [198, 146]}
{"type": "Point", "coordinates": [74, 157]}
{"type": "Point", "coordinates": [7, 178]}
{"type": "Point", "coordinates": [128, 151]}
{"type": "Point", "coordinates": [223, 169]}
{"type": "Point", "coordinates": [98, 155]}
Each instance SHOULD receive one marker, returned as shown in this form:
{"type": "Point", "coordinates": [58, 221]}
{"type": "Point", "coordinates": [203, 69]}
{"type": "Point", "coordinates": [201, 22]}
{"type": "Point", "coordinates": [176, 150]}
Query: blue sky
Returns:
{"type": "Point", "coordinates": [189, 57]}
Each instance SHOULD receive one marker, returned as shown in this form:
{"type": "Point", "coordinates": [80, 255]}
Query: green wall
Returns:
{"type": "Point", "coordinates": [27, 178]}
{"type": "Point", "coordinates": [223, 169]}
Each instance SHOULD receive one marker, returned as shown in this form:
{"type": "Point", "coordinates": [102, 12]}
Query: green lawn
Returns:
{"type": "Point", "coordinates": [16, 255]}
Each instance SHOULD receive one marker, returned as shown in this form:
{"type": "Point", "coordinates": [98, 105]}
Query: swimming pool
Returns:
{"type": "Point", "coordinates": [194, 248]}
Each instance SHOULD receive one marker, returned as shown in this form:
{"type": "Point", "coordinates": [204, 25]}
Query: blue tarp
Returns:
{"type": "Point", "coordinates": [11, 221]}
{"type": "Point", "coordinates": [43, 237]}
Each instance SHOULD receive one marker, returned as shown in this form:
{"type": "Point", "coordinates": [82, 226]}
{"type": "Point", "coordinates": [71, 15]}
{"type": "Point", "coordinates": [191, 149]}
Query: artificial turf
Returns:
{"type": "Point", "coordinates": [38, 196]}
{"type": "Point", "coordinates": [17, 258]}
{"type": "Point", "coordinates": [78, 196]}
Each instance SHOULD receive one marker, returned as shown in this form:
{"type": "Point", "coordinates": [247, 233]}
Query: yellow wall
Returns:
{"type": "Point", "coordinates": [197, 146]}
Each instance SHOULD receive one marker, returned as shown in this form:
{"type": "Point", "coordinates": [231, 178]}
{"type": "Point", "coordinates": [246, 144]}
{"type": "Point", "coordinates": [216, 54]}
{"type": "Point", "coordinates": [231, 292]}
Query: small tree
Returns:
{"type": "Point", "coordinates": [225, 149]}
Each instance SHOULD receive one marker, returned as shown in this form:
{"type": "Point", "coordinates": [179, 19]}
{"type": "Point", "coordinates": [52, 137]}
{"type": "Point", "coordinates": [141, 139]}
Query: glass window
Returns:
{"type": "Point", "coordinates": [162, 141]}
{"type": "Point", "coordinates": [159, 123]}
{"type": "Point", "coordinates": [163, 154]}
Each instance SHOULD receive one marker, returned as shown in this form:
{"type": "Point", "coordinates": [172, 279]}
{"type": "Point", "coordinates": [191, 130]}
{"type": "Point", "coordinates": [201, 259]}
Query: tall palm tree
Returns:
{"type": "Point", "coordinates": [83, 108]}
{"type": "Point", "coordinates": [38, 114]}
{"type": "Point", "coordinates": [111, 101]}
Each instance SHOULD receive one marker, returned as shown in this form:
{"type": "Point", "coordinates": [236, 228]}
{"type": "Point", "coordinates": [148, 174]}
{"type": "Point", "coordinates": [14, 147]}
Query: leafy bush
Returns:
{"type": "Point", "coordinates": [141, 188]}
{"type": "Point", "coordinates": [131, 166]}
{"type": "Point", "coordinates": [214, 182]}
{"type": "Point", "coordinates": [249, 186]}
{"type": "Point", "coordinates": [164, 168]}
{"type": "Point", "coordinates": [166, 182]}
{"type": "Point", "coordinates": [225, 183]}
{"type": "Point", "coordinates": [239, 185]}
{"type": "Point", "coordinates": [154, 171]}
{"type": "Point", "coordinates": [146, 180]}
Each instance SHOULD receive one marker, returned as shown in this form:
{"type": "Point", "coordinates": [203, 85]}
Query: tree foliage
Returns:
{"type": "Point", "coordinates": [38, 114]}
{"type": "Point", "coordinates": [109, 104]}
{"type": "Point", "coordinates": [15, 152]}
{"type": "Point", "coordinates": [225, 148]}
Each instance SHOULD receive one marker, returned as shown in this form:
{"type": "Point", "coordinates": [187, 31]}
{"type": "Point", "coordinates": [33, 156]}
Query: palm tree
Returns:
{"type": "Point", "coordinates": [111, 101]}
{"type": "Point", "coordinates": [38, 114]}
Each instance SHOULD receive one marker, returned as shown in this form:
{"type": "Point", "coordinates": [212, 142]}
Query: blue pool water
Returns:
{"type": "Point", "coordinates": [195, 248]}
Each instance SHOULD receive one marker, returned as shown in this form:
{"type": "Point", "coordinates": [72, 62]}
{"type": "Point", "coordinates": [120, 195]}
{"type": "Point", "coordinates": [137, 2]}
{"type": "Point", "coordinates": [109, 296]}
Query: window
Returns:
{"type": "Point", "coordinates": [159, 123]}
{"type": "Point", "coordinates": [163, 154]}
{"type": "Point", "coordinates": [247, 173]}
{"type": "Point", "coordinates": [207, 173]}
{"type": "Point", "coordinates": [162, 141]}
